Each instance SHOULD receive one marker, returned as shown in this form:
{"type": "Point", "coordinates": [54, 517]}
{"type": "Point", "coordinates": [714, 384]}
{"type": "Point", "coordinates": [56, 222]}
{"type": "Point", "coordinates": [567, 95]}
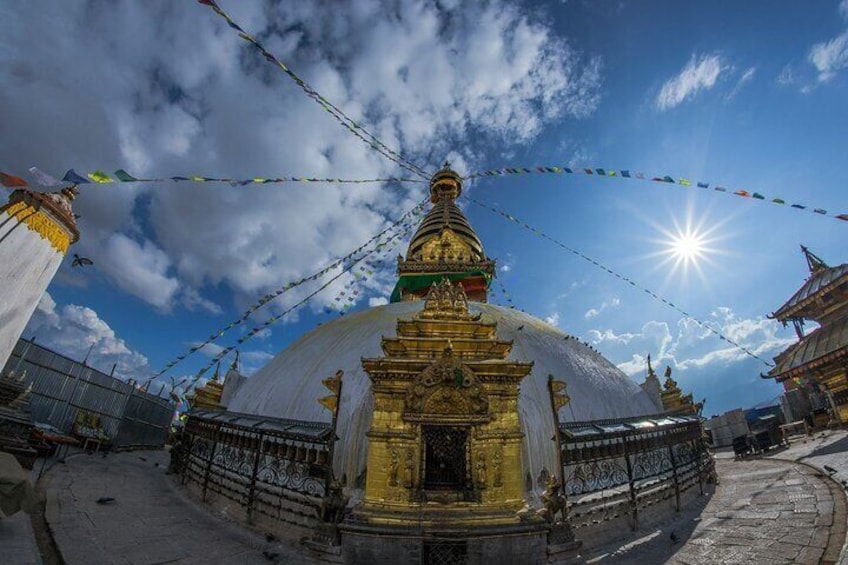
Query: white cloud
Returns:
{"type": "Point", "coordinates": [140, 269]}
{"type": "Point", "coordinates": [553, 319]}
{"type": "Point", "coordinates": [75, 330]}
{"type": "Point", "coordinates": [193, 301]}
{"type": "Point", "coordinates": [830, 57]}
{"type": "Point", "coordinates": [746, 77]}
{"type": "Point", "coordinates": [592, 312]}
{"type": "Point", "coordinates": [691, 345]}
{"type": "Point", "coordinates": [786, 76]}
{"type": "Point", "coordinates": [493, 74]}
{"type": "Point", "coordinates": [377, 301]}
{"type": "Point", "coordinates": [698, 74]}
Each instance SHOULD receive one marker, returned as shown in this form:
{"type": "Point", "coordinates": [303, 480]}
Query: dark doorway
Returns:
{"type": "Point", "coordinates": [445, 451]}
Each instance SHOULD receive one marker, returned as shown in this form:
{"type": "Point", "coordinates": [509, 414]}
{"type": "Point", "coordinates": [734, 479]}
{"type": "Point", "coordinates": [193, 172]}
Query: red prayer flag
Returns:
{"type": "Point", "coordinates": [843, 217]}
{"type": "Point", "coordinates": [742, 193]}
{"type": "Point", "coordinates": [12, 181]}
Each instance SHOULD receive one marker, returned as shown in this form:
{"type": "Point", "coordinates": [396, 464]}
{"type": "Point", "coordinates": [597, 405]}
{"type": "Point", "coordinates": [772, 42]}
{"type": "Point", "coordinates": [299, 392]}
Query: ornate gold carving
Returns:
{"type": "Point", "coordinates": [673, 398]}
{"type": "Point", "coordinates": [446, 301]}
{"type": "Point", "coordinates": [409, 469]}
{"type": "Point", "coordinates": [481, 470]}
{"type": "Point", "coordinates": [394, 464]}
{"type": "Point", "coordinates": [447, 387]}
{"type": "Point", "coordinates": [554, 502]}
{"type": "Point", "coordinates": [445, 247]}
{"type": "Point", "coordinates": [497, 462]}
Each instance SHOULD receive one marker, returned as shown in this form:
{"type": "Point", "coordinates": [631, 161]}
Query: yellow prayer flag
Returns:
{"type": "Point", "coordinates": [329, 402]}
{"type": "Point", "coordinates": [99, 176]}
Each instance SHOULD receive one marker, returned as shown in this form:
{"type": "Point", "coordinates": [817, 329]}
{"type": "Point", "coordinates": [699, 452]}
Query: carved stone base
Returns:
{"type": "Point", "coordinates": [516, 544]}
{"type": "Point", "coordinates": [563, 548]}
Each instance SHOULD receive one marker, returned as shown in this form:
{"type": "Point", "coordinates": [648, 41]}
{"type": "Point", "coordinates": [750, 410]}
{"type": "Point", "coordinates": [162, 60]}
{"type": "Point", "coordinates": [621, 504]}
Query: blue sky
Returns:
{"type": "Point", "coordinates": [749, 97]}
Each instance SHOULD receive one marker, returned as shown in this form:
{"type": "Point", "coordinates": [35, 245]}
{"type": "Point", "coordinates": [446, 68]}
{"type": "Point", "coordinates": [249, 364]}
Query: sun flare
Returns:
{"type": "Point", "coordinates": [688, 247]}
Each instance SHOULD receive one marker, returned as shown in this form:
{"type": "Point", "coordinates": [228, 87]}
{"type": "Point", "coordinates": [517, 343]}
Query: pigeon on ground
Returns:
{"type": "Point", "coordinates": [104, 500]}
{"type": "Point", "coordinates": [829, 469]}
{"type": "Point", "coordinates": [674, 538]}
{"type": "Point", "coordinates": [270, 556]}
{"type": "Point", "coordinates": [270, 537]}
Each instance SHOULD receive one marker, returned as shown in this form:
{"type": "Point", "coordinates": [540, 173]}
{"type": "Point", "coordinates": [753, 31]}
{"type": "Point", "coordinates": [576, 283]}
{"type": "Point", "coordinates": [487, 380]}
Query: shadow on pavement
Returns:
{"type": "Point", "coordinates": [839, 446]}
{"type": "Point", "coordinates": [655, 545]}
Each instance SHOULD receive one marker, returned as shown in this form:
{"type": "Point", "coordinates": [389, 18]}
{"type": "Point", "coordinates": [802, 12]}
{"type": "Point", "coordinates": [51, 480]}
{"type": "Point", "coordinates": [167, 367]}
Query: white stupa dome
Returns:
{"type": "Point", "coordinates": [289, 386]}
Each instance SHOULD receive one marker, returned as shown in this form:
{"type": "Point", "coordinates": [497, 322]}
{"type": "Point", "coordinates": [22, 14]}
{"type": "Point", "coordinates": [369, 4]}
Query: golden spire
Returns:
{"type": "Point", "coordinates": [444, 247]}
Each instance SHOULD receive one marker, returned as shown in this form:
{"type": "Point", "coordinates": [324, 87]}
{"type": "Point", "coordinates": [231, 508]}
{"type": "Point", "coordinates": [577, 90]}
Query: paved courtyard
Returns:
{"type": "Point", "coordinates": [780, 509]}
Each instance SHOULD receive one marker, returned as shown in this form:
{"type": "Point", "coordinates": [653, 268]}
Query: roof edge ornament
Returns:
{"type": "Point", "coordinates": [814, 262]}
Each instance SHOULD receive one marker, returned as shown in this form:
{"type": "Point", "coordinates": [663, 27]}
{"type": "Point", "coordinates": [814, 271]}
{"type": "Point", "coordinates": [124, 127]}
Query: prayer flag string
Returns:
{"type": "Point", "coordinates": [405, 222]}
{"type": "Point", "coordinates": [278, 317]}
{"type": "Point", "coordinates": [122, 176]}
{"type": "Point", "coordinates": [368, 138]}
{"type": "Point", "coordinates": [622, 278]}
{"type": "Point", "coordinates": [666, 179]}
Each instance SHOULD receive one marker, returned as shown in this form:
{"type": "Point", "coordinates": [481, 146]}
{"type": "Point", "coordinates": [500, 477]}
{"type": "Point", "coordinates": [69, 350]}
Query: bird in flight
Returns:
{"type": "Point", "coordinates": [81, 261]}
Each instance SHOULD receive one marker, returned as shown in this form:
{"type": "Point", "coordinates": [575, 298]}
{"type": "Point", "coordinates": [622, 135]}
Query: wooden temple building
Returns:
{"type": "Point", "coordinates": [818, 362]}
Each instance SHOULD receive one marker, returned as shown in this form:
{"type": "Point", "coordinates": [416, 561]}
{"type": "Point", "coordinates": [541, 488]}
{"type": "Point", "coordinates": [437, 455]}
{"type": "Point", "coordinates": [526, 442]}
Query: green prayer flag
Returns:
{"type": "Point", "coordinates": [124, 176]}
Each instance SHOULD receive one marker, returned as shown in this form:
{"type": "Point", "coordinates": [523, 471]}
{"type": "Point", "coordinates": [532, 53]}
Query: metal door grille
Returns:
{"type": "Point", "coordinates": [445, 553]}
{"type": "Point", "coordinates": [446, 453]}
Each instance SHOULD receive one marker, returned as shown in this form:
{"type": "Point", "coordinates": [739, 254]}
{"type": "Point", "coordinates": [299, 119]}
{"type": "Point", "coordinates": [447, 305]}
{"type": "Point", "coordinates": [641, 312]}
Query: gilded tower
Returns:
{"type": "Point", "coordinates": [445, 246]}
{"type": "Point", "coordinates": [445, 437]}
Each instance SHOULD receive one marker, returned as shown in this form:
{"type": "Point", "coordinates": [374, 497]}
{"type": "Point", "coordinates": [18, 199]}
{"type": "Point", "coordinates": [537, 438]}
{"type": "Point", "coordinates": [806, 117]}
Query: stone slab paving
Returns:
{"type": "Point", "coordinates": [150, 521]}
{"type": "Point", "coordinates": [763, 512]}
{"type": "Point", "coordinates": [17, 541]}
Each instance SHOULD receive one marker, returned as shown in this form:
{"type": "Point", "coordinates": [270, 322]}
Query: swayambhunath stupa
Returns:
{"type": "Point", "coordinates": [444, 414]}
{"type": "Point", "coordinates": [423, 282]}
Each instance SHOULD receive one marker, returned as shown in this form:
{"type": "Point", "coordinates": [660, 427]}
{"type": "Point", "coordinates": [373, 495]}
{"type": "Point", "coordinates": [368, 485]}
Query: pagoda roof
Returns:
{"type": "Point", "coordinates": [819, 348]}
{"type": "Point", "coordinates": [821, 281]}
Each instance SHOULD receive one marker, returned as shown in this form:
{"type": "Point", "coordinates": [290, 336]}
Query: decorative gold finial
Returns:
{"type": "Point", "coordinates": [445, 184]}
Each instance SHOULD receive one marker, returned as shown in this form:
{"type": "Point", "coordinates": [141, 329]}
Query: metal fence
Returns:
{"type": "Point", "coordinates": [618, 467]}
{"type": "Point", "coordinates": [271, 466]}
{"type": "Point", "coordinates": [62, 388]}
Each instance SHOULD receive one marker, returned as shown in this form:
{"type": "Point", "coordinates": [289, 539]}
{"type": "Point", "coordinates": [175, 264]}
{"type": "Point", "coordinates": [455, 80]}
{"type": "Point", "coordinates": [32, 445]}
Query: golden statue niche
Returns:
{"type": "Point", "coordinates": [445, 439]}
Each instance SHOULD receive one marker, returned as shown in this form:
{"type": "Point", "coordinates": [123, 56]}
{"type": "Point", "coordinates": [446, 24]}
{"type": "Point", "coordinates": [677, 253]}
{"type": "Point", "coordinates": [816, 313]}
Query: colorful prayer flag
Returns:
{"type": "Point", "coordinates": [12, 181]}
{"type": "Point", "coordinates": [124, 176]}
{"type": "Point", "coordinates": [100, 177]}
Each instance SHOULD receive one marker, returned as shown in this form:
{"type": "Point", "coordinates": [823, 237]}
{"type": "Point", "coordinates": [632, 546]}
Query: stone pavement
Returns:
{"type": "Point", "coordinates": [17, 541]}
{"type": "Point", "coordinates": [763, 512]}
{"type": "Point", "coordinates": [149, 521]}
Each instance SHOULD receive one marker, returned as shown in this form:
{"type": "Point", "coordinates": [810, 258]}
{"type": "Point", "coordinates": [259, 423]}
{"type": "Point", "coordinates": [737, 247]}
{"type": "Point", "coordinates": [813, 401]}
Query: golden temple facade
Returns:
{"type": "Point", "coordinates": [445, 439]}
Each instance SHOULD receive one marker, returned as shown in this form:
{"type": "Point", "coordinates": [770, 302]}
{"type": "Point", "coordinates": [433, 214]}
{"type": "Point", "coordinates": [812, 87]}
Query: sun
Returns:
{"type": "Point", "coordinates": [687, 247]}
